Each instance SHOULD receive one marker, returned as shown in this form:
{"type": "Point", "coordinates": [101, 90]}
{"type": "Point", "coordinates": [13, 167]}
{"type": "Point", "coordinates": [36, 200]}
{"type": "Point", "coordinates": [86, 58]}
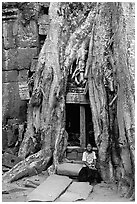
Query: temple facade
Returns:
{"type": "Point", "coordinates": [22, 38]}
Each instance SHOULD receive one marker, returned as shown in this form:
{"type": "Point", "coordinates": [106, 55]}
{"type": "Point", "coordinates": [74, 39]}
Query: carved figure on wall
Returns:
{"type": "Point", "coordinates": [78, 69]}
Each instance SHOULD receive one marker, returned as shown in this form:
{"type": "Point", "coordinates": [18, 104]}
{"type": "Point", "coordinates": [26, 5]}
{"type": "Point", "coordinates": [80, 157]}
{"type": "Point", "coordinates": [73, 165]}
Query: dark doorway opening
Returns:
{"type": "Point", "coordinates": [73, 124]}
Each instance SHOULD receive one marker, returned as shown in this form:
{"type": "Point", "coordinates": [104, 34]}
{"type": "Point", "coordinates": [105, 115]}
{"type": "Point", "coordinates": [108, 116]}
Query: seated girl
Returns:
{"type": "Point", "coordinates": [89, 172]}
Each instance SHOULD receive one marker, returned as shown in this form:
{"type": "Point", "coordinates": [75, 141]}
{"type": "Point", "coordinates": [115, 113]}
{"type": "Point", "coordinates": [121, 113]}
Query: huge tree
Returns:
{"type": "Point", "coordinates": [100, 38]}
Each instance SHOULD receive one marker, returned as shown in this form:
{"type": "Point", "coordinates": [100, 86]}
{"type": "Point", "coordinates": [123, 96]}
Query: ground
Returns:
{"type": "Point", "coordinates": [17, 192]}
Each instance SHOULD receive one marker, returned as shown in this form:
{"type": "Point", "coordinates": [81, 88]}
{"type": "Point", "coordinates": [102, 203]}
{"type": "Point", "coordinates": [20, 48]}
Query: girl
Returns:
{"type": "Point", "coordinates": [89, 172]}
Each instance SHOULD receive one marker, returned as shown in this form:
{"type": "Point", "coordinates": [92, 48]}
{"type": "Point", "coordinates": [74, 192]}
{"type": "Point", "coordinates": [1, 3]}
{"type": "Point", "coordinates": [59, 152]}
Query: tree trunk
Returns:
{"type": "Point", "coordinates": [123, 52]}
{"type": "Point", "coordinates": [46, 110]}
{"type": "Point", "coordinates": [98, 38]}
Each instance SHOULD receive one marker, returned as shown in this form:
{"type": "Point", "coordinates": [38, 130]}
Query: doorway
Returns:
{"type": "Point", "coordinates": [79, 125]}
{"type": "Point", "coordinates": [73, 124]}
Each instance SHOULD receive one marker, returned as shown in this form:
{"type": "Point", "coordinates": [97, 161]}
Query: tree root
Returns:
{"type": "Point", "coordinates": [32, 165]}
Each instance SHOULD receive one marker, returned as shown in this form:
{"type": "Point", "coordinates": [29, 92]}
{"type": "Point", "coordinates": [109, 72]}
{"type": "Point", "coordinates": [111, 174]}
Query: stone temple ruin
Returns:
{"type": "Point", "coordinates": [22, 40]}
{"type": "Point", "coordinates": [68, 80]}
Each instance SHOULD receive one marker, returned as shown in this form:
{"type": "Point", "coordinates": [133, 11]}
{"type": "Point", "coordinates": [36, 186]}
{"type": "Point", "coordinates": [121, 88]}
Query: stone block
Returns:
{"type": "Point", "coordinates": [9, 39]}
{"type": "Point", "coordinates": [74, 153]}
{"type": "Point", "coordinates": [43, 23]}
{"type": "Point", "coordinates": [10, 57]}
{"type": "Point", "coordinates": [3, 65]}
{"type": "Point", "coordinates": [76, 98]}
{"type": "Point", "coordinates": [19, 58]}
{"type": "Point", "coordinates": [10, 160]}
{"type": "Point", "coordinates": [27, 36]}
{"type": "Point", "coordinates": [76, 191]}
{"type": "Point", "coordinates": [24, 90]}
{"type": "Point", "coordinates": [69, 169]}
{"type": "Point", "coordinates": [15, 28]}
{"type": "Point", "coordinates": [12, 105]}
{"type": "Point", "coordinates": [50, 189]}
{"type": "Point", "coordinates": [25, 55]}
{"type": "Point", "coordinates": [9, 76]}
{"type": "Point", "coordinates": [23, 43]}
{"type": "Point", "coordinates": [23, 75]}
{"type": "Point", "coordinates": [43, 29]}
{"type": "Point", "coordinates": [12, 135]}
{"type": "Point", "coordinates": [4, 139]}
{"type": "Point", "coordinates": [13, 121]}
{"type": "Point", "coordinates": [3, 53]}
{"type": "Point", "coordinates": [34, 64]}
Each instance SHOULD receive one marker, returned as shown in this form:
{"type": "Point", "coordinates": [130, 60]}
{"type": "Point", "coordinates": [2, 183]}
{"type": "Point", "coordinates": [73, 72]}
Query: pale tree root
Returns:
{"type": "Point", "coordinates": [32, 165]}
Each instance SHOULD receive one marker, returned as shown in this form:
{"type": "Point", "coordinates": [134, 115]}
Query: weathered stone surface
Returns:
{"type": "Point", "coordinates": [4, 139]}
{"type": "Point", "coordinates": [43, 23]}
{"type": "Point", "coordinates": [50, 189]}
{"type": "Point", "coordinates": [33, 64]}
{"type": "Point", "coordinates": [9, 39]}
{"type": "Point", "coordinates": [11, 136]}
{"type": "Point", "coordinates": [27, 36]}
{"type": "Point", "coordinates": [43, 29]}
{"type": "Point", "coordinates": [23, 75]}
{"type": "Point", "coordinates": [9, 76]}
{"type": "Point", "coordinates": [3, 65]}
{"type": "Point", "coordinates": [11, 61]}
{"type": "Point", "coordinates": [25, 56]}
{"type": "Point", "coordinates": [10, 188]}
{"type": "Point", "coordinates": [12, 106]}
{"type": "Point", "coordinates": [30, 184]}
{"type": "Point", "coordinates": [9, 160]}
{"type": "Point", "coordinates": [3, 53]}
{"type": "Point", "coordinates": [69, 169]}
{"type": "Point", "coordinates": [24, 90]}
{"type": "Point", "coordinates": [37, 179]}
{"type": "Point", "coordinates": [13, 121]}
{"type": "Point", "coordinates": [18, 58]}
{"type": "Point", "coordinates": [76, 98]}
{"type": "Point", "coordinates": [45, 4]}
{"type": "Point", "coordinates": [74, 153]}
{"type": "Point", "coordinates": [76, 191]}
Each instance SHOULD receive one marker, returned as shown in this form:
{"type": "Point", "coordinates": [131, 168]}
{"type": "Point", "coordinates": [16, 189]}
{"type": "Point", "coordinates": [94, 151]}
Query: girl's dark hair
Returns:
{"type": "Point", "coordinates": [89, 144]}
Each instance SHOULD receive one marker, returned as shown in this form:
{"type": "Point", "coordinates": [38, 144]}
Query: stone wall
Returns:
{"type": "Point", "coordinates": [20, 44]}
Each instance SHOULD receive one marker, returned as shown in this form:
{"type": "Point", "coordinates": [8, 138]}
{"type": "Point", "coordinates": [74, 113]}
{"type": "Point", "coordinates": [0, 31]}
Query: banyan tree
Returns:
{"type": "Point", "coordinates": [92, 45]}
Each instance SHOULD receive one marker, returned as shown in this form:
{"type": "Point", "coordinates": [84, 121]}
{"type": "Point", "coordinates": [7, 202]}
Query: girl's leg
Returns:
{"type": "Point", "coordinates": [83, 175]}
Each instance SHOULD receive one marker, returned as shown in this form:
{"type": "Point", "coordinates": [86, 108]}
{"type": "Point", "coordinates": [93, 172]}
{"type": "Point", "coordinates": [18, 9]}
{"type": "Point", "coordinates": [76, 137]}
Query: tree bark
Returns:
{"type": "Point", "coordinates": [124, 39]}
{"type": "Point", "coordinates": [32, 165]}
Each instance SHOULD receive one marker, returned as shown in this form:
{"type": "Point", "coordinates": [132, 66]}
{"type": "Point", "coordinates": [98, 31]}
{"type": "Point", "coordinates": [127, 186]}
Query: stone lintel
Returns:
{"type": "Point", "coordinates": [77, 98]}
